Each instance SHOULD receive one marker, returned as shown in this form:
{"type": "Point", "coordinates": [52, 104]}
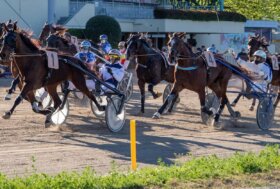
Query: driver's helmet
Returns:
{"type": "Point", "coordinates": [115, 54]}
{"type": "Point", "coordinates": [85, 45]}
{"type": "Point", "coordinates": [260, 53]}
{"type": "Point", "coordinates": [103, 38]}
{"type": "Point", "coordinates": [121, 45]}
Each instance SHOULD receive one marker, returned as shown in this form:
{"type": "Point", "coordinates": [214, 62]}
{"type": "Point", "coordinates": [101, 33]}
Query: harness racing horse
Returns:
{"type": "Point", "coordinates": [32, 66]}
{"type": "Point", "coordinates": [49, 29]}
{"type": "Point", "coordinates": [192, 73]}
{"type": "Point", "coordinates": [254, 44]}
{"type": "Point", "coordinates": [151, 67]}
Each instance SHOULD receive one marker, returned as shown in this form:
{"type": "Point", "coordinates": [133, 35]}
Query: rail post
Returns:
{"type": "Point", "coordinates": [133, 144]}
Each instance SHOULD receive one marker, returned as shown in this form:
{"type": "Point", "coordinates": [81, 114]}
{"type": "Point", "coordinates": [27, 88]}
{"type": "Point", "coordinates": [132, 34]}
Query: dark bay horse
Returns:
{"type": "Point", "coordinates": [151, 67]}
{"type": "Point", "coordinates": [255, 43]}
{"type": "Point", "coordinates": [33, 71]}
{"type": "Point", "coordinates": [192, 73]}
{"type": "Point", "coordinates": [49, 29]}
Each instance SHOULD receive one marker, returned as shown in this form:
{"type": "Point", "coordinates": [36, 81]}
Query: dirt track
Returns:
{"type": "Point", "coordinates": [84, 141]}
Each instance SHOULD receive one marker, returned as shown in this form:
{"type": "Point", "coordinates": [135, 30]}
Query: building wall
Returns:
{"type": "Point", "coordinates": [80, 19]}
{"type": "Point", "coordinates": [34, 12]}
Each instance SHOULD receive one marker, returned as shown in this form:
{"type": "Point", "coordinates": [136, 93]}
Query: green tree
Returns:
{"type": "Point", "coordinates": [101, 24]}
{"type": "Point", "coordinates": [255, 9]}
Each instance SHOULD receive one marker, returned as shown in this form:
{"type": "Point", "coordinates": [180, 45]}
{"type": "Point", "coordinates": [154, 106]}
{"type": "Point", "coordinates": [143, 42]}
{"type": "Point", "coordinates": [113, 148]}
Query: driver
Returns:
{"type": "Point", "coordinates": [86, 55]}
{"type": "Point", "coordinates": [258, 70]}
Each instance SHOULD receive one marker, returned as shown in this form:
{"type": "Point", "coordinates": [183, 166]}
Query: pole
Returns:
{"type": "Point", "coordinates": [133, 144]}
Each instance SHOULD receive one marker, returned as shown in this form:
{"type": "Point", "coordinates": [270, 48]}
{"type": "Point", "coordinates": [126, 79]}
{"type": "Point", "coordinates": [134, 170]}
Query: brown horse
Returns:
{"type": "Point", "coordinates": [49, 29]}
{"type": "Point", "coordinates": [151, 67]}
{"type": "Point", "coordinates": [192, 73]}
{"type": "Point", "coordinates": [255, 43]}
{"type": "Point", "coordinates": [32, 66]}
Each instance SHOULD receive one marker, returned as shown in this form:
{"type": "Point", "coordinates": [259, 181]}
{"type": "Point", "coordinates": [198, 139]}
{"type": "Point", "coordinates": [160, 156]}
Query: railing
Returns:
{"type": "Point", "coordinates": [142, 8]}
{"type": "Point", "coordinates": [116, 9]}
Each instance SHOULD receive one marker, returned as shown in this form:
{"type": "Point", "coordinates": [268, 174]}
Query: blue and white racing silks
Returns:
{"type": "Point", "coordinates": [266, 74]}
{"type": "Point", "coordinates": [106, 47]}
{"type": "Point", "coordinates": [116, 76]}
{"type": "Point", "coordinates": [86, 57]}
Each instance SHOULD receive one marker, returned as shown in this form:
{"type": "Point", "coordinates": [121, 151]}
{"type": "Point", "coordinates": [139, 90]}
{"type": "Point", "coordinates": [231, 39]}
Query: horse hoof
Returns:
{"type": "Point", "coordinates": [48, 123]}
{"type": "Point", "coordinates": [219, 125]}
{"type": "Point", "coordinates": [233, 104]}
{"type": "Point", "coordinates": [8, 97]}
{"type": "Point", "coordinates": [157, 95]}
{"type": "Point", "coordinates": [156, 115]}
{"type": "Point", "coordinates": [251, 108]}
{"type": "Point", "coordinates": [210, 121]}
{"type": "Point", "coordinates": [6, 115]}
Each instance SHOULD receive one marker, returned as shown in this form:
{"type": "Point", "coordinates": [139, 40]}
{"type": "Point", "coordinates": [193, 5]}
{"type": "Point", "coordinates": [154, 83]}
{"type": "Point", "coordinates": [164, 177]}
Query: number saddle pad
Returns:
{"type": "Point", "coordinates": [210, 59]}
{"type": "Point", "coordinates": [52, 59]}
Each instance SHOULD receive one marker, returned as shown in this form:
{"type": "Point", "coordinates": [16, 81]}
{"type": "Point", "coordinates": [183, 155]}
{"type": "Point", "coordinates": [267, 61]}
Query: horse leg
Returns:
{"type": "Point", "coordinates": [12, 88]}
{"type": "Point", "coordinates": [57, 102]}
{"type": "Point", "coordinates": [141, 85]}
{"type": "Point", "coordinates": [173, 103]}
{"type": "Point", "coordinates": [151, 90]}
{"type": "Point", "coordinates": [235, 101]}
{"type": "Point", "coordinates": [251, 108]}
{"type": "Point", "coordinates": [27, 87]}
{"type": "Point", "coordinates": [171, 99]}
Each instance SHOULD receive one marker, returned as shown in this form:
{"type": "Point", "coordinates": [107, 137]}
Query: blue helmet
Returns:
{"type": "Point", "coordinates": [103, 37]}
{"type": "Point", "coordinates": [85, 44]}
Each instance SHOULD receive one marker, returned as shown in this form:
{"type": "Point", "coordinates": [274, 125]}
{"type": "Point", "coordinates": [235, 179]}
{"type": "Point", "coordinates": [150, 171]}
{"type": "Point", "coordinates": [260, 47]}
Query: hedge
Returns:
{"type": "Point", "coordinates": [102, 24]}
{"type": "Point", "coordinates": [198, 15]}
{"type": "Point", "coordinates": [80, 33]}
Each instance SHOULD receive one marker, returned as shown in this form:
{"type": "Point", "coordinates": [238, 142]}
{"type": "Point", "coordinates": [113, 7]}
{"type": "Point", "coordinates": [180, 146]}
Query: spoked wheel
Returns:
{"type": "Point", "coordinates": [114, 121]}
{"type": "Point", "coordinates": [42, 96]}
{"type": "Point", "coordinates": [60, 115]}
{"type": "Point", "coordinates": [79, 95]}
{"type": "Point", "coordinates": [167, 91]}
{"type": "Point", "coordinates": [126, 86]}
{"type": "Point", "coordinates": [211, 103]}
{"type": "Point", "coordinates": [265, 113]}
{"type": "Point", "coordinates": [103, 102]}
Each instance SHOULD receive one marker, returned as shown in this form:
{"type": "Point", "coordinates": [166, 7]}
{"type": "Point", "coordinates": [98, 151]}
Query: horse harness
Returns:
{"type": "Point", "coordinates": [49, 71]}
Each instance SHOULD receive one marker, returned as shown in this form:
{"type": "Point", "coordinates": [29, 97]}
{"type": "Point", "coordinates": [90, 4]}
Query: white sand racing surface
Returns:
{"type": "Point", "coordinates": [84, 141]}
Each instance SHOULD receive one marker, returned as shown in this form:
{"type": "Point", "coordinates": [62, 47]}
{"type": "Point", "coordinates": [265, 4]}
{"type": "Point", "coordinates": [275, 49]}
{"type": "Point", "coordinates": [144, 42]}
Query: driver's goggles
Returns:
{"type": "Point", "coordinates": [113, 56]}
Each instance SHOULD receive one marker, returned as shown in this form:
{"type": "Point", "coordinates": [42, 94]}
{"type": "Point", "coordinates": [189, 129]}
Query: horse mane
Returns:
{"type": "Point", "coordinates": [25, 36]}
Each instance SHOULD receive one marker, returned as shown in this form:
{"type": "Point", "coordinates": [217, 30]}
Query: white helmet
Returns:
{"type": "Point", "coordinates": [260, 53]}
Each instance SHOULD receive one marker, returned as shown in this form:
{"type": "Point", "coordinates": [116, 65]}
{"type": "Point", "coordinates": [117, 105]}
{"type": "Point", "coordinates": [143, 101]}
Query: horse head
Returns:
{"type": "Point", "coordinates": [177, 47]}
{"type": "Point", "coordinates": [15, 40]}
{"type": "Point", "coordinates": [46, 31]}
{"type": "Point", "coordinates": [255, 43]}
{"type": "Point", "coordinates": [136, 45]}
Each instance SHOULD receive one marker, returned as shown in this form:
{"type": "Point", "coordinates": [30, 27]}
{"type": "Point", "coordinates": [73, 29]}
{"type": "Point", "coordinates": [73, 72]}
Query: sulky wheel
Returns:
{"type": "Point", "coordinates": [42, 96]}
{"type": "Point", "coordinates": [79, 95]}
{"type": "Point", "coordinates": [60, 115]}
{"type": "Point", "coordinates": [114, 121]}
{"type": "Point", "coordinates": [211, 103]}
{"type": "Point", "coordinates": [265, 113]}
{"type": "Point", "coordinates": [126, 86]}
{"type": "Point", "coordinates": [166, 91]}
{"type": "Point", "coordinates": [103, 102]}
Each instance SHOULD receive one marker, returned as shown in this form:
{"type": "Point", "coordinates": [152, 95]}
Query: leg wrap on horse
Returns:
{"type": "Point", "coordinates": [222, 106]}
{"type": "Point", "coordinates": [35, 107]}
{"type": "Point", "coordinates": [206, 110]}
{"type": "Point", "coordinates": [18, 100]}
{"type": "Point", "coordinates": [168, 100]}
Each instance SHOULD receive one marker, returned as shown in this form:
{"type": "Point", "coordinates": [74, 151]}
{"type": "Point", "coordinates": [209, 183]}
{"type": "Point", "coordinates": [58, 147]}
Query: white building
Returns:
{"type": "Point", "coordinates": [132, 15]}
